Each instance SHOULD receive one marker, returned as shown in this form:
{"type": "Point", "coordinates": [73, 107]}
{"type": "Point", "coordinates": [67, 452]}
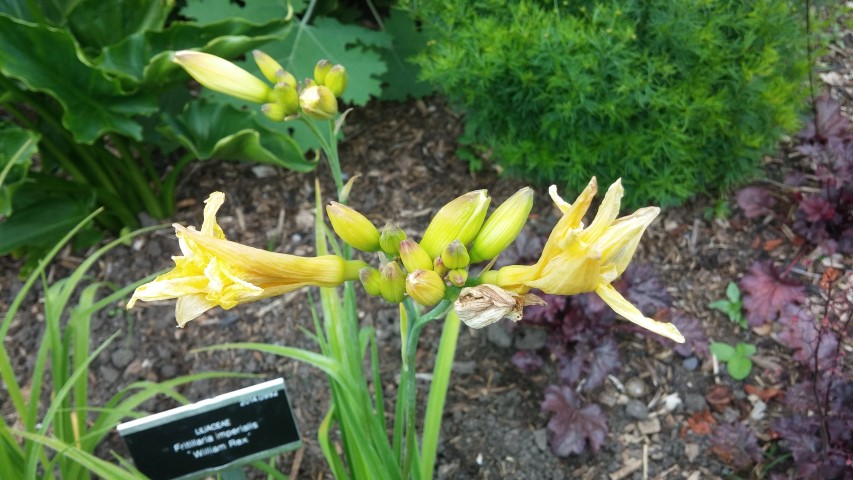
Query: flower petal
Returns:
{"type": "Point", "coordinates": [631, 313]}
{"type": "Point", "coordinates": [190, 307]}
{"type": "Point", "coordinates": [210, 228]}
{"type": "Point", "coordinates": [607, 213]}
{"type": "Point", "coordinates": [619, 242]}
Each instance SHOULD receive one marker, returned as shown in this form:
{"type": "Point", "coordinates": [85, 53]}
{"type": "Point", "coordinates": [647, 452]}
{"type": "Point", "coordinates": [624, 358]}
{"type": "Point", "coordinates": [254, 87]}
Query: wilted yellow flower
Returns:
{"type": "Point", "coordinates": [578, 260]}
{"type": "Point", "coordinates": [223, 76]}
{"type": "Point", "coordinates": [216, 272]}
{"type": "Point", "coordinates": [485, 304]}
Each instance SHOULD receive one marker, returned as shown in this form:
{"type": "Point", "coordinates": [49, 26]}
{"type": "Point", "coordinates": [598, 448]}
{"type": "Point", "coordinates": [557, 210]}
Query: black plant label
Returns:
{"type": "Point", "coordinates": [201, 438]}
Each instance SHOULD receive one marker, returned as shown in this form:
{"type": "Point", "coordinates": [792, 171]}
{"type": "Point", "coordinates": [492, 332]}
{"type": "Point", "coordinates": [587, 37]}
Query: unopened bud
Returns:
{"type": "Point", "coordinates": [283, 76]}
{"type": "Point", "coordinates": [460, 219]}
{"type": "Point", "coordinates": [370, 280]}
{"type": "Point", "coordinates": [425, 287]}
{"type": "Point", "coordinates": [414, 257]}
{"type": "Point", "coordinates": [458, 277]}
{"type": "Point", "coordinates": [455, 256]}
{"type": "Point", "coordinates": [337, 80]}
{"type": "Point", "coordinates": [390, 238]}
{"type": "Point", "coordinates": [320, 71]}
{"type": "Point", "coordinates": [223, 76]}
{"type": "Point", "coordinates": [269, 67]}
{"type": "Point", "coordinates": [286, 96]}
{"type": "Point", "coordinates": [485, 304]}
{"type": "Point", "coordinates": [392, 284]}
{"type": "Point", "coordinates": [274, 111]}
{"type": "Point", "coordinates": [503, 226]}
{"type": "Point", "coordinates": [318, 102]}
{"type": "Point", "coordinates": [353, 228]}
{"type": "Point", "coordinates": [438, 267]}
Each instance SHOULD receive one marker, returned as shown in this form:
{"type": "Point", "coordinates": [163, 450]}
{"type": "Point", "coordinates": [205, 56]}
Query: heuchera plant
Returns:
{"type": "Point", "coordinates": [582, 340]}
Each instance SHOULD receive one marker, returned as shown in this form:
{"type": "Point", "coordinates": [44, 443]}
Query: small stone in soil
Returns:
{"type": "Point", "coordinates": [695, 402]}
{"type": "Point", "coordinates": [531, 339]}
{"type": "Point", "coordinates": [497, 334]}
{"type": "Point", "coordinates": [691, 451]}
{"type": "Point", "coordinates": [649, 427]}
{"type": "Point", "coordinates": [540, 437]}
{"type": "Point", "coordinates": [690, 363]}
{"type": "Point", "coordinates": [635, 387]}
{"type": "Point", "coordinates": [108, 374]}
{"type": "Point", "coordinates": [121, 358]}
{"type": "Point", "coordinates": [464, 368]}
{"type": "Point", "coordinates": [637, 410]}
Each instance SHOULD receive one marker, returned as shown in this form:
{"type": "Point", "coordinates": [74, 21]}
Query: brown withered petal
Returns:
{"type": "Point", "coordinates": [485, 304]}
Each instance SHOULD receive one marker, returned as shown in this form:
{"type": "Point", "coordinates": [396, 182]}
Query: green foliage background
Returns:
{"type": "Point", "coordinates": [676, 97]}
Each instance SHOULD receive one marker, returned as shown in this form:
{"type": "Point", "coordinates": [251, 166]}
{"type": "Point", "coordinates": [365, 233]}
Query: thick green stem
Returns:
{"type": "Point", "coordinates": [330, 149]}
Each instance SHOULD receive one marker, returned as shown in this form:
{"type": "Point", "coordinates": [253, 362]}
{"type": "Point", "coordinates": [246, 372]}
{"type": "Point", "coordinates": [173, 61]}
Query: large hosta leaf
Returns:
{"type": "Point", "coordinates": [96, 23]}
{"type": "Point", "coordinates": [53, 12]}
{"type": "Point", "coordinates": [48, 60]}
{"type": "Point", "coordinates": [259, 12]}
{"type": "Point", "coordinates": [145, 58]}
{"type": "Point", "coordinates": [17, 147]}
{"type": "Point", "coordinates": [222, 131]}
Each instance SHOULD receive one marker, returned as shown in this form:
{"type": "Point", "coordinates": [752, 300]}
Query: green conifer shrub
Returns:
{"type": "Point", "coordinates": [677, 97]}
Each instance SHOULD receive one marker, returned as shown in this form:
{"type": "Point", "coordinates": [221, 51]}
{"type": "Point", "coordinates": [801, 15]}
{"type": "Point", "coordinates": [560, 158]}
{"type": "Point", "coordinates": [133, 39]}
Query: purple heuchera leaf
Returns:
{"type": "Point", "coordinates": [815, 208]}
{"type": "Point", "coordinates": [736, 444]}
{"type": "Point", "coordinates": [695, 336]}
{"type": "Point", "coordinates": [755, 202]}
{"type": "Point", "coordinates": [596, 363]}
{"type": "Point", "coordinates": [527, 361]}
{"type": "Point", "coordinates": [766, 293]}
{"type": "Point", "coordinates": [801, 333]}
{"type": "Point", "coordinates": [573, 425]}
{"type": "Point", "coordinates": [644, 288]}
{"type": "Point", "coordinates": [800, 434]}
{"type": "Point", "coordinates": [829, 122]}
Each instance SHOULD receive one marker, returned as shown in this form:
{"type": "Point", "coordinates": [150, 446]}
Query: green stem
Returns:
{"type": "Point", "coordinates": [330, 149]}
{"type": "Point", "coordinates": [137, 177]}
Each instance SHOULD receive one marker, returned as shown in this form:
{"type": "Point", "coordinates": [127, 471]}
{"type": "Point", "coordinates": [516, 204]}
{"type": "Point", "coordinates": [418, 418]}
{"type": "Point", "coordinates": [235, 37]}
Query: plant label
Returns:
{"type": "Point", "coordinates": [201, 438]}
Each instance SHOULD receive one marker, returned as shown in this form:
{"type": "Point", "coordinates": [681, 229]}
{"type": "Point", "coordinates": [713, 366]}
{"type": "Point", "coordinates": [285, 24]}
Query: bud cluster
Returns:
{"type": "Point", "coordinates": [315, 97]}
{"type": "Point", "coordinates": [458, 235]}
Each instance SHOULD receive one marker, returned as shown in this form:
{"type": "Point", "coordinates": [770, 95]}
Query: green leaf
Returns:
{"type": "Point", "coordinates": [40, 11]}
{"type": "Point", "coordinates": [721, 305]}
{"type": "Point", "coordinates": [256, 11]}
{"type": "Point", "coordinates": [17, 147]}
{"type": "Point", "coordinates": [349, 45]}
{"type": "Point", "coordinates": [41, 217]}
{"type": "Point", "coordinates": [146, 58]}
{"type": "Point", "coordinates": [222, 131]}
{"type": "Point", "coordinates": [401, 80]}
{"type": "Point", "coordinates": [733, 292]}
{"type": "Point", "coordinates": [745, 349]}
{"type": "Point", "coordinates": [739, 367]}
{"type": "Point", "coordinates": [96, 23]}
{"type": "Point", "coordinates": [48, 60]}
{"type": "Point", "coordinates": [722, 351]}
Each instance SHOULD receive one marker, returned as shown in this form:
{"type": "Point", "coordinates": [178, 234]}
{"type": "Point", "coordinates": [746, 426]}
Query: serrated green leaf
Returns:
{"type": "Point", "coordinates": [222, 131]}
{"type": "Point", "coordinates": [48, 60]}
{"type": "Point", "coordinates": [96, 23]}
{"type": "Point", "coordinates": [17, 147]}
{"type": "Point", "coordinates": [407, 40]}
{"type": "Point", "coordinates": [349, 45]}
{"type": "Point", "coordinates": [722, 351]}
{"type": "Point", "coordinates": [739, 367]}
{"type": "Point", "coordinates": [145, 58]}
{"type": "Point", "coordinates": [256, 11]}
{"type": "Point", "coordinates": [733, 292]}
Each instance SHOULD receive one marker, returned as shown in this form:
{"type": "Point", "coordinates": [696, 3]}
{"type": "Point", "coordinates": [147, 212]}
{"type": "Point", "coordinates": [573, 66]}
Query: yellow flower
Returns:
{"type": "Point", "coordinates": [578, 259]}
{"type": "Point", "coordinates": [216, 272]}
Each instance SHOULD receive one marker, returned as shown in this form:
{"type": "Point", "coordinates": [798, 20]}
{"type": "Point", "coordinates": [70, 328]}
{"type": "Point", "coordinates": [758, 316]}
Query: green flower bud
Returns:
{"type": "Point", "coordinates": [425, 287]}
{"type": "Point", "coordinates": [353, 228]}
{"type": "Point", "coordinates": [318, 102]}
{"type": "Point", "coordinates": [438, 267]}
{"type": "Point", "coordinates": [286, 96]}
{"type": "Point", "coordinates": [502, 227]}
{"type": "Point", "coordinates": [320, 71]}
{"type": "Point", "coordinates": [274, 111]}
{"type": "Point", "coordinates": [269, 67]}
{"type": "Point", "coordinates": [283, 76]}
{"type": "Point", "coordinates": [458, 277]}
{"type": "Point", "coordinates": [460, 219]}
{"type": "Point", "coordinates": [455, 256]}
{"type": "Point", "coordinates": [337, 80]}
{"type": "Point", "coordinates": [392, 283]}
{"type": "Point", "coordinates": [414, 257]}
{"type": "Point", "coordinates": [390, 238]}
{"type": "Point", "coordinates": [223, 76]}
{"type": "Point", "coordinates": [370, 280]}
